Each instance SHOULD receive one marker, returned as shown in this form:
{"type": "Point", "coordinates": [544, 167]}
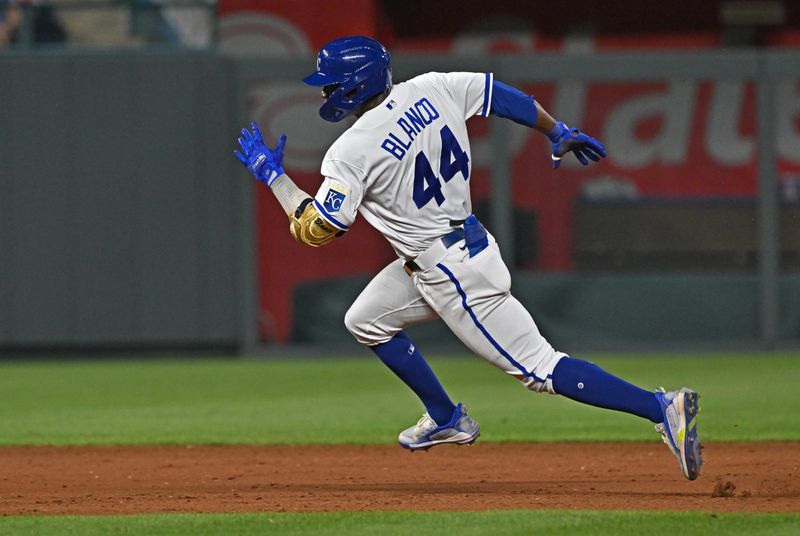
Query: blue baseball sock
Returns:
{"type": "Point", "coordinates": [586, 382]}
{"type": "Point", "coordinates": [403, 358]}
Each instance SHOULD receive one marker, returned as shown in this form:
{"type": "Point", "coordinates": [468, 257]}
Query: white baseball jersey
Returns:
{"type": "Point", "coordinates": [405, 164]}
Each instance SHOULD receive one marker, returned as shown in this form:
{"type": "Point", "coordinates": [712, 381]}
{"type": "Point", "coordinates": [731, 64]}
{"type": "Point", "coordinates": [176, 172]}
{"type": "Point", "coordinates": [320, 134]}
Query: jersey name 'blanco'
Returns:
{"type": "Point", "coordinates": [405, 164]}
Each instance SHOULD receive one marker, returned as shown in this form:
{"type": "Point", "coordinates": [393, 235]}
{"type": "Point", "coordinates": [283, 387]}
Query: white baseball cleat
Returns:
{"type": "Point", "coordinates": [461, 430]}
{"type": "Point", "coordinates": [679, 429]}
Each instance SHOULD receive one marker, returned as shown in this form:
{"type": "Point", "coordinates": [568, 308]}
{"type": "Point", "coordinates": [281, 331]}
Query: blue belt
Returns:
{"type": "Point", "coordinates": [452, 237]}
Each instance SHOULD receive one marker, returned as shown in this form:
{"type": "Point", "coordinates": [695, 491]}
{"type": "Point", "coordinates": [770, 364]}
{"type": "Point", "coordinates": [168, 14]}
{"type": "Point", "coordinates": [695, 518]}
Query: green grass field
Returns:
{"type": "Point", "coordinates": [746, 397]}
{"type": "Point", "coordinates": [403, 523]}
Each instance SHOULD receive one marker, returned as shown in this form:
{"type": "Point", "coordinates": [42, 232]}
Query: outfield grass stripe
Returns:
{"type": "Point", "coordinates": [745, 397]}
{"type": "Point", "coordinates": [489, 523]}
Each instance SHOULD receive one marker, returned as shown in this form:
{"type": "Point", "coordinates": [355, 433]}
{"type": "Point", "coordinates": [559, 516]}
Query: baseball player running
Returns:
{"type": "Point", "coordinates": [404, 165]}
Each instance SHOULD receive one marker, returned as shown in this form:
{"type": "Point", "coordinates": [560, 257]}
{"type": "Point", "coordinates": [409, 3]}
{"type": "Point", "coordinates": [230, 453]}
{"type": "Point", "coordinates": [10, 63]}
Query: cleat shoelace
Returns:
{"type": "Point", "coordinates": [425, 424]}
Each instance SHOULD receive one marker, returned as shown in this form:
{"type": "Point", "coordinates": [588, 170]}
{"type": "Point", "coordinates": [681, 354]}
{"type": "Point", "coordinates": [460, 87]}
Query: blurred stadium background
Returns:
{"type": "Point", "coordinates": [126, 223]}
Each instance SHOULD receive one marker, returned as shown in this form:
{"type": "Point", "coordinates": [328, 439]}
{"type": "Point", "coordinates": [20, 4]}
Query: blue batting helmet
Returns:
{"type": "Point", "coordinates": [352, 70]}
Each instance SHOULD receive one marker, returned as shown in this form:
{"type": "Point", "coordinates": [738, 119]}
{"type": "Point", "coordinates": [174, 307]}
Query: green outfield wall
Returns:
{"type": "Point", "coordinates": [579, 312]}
{"type": "Point", "coordinates": [119, 208]}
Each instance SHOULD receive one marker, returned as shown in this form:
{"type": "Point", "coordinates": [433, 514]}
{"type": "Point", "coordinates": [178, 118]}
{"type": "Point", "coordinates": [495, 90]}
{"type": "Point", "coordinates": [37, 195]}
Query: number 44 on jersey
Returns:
{"type": "Point", "coordinates": [427, 185]}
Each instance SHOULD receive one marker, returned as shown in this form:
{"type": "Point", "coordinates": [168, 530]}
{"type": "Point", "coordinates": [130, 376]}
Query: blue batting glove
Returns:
{"type": "Point", "coordinates": [567, 140]}
{"type": "Point", "coordinates": [264, 163]}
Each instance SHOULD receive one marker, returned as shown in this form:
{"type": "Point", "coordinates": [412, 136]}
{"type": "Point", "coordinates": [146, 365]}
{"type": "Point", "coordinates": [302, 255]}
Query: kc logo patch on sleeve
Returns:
{"type": "Point", "coordinates": [335, 197]}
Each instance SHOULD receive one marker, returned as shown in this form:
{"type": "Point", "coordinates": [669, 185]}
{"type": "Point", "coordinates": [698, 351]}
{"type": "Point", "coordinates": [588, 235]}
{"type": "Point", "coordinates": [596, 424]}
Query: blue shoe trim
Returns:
{"type": "Point", "coordinates": [660, 398]}
{"type": "Point", "coordinates": [457, 414]}
{"type": "Point", "coordinates": [663, 404]}
{"type": "Point", "coordinates": [453, 420]}
{"type": "Point", "coordinates": [483, 330]}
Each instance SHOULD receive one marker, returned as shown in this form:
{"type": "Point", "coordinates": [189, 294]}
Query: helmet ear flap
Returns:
{"type": "Point", "coordinates": [332, 109]}
{"type": "Point", "coordinates": [339, 104]}
{"type": "Point", "coordinates": [350, 95]}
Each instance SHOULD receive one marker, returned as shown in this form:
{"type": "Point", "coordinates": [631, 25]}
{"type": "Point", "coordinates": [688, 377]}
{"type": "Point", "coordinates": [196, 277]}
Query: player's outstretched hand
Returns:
{"type": "Point", "coordinates": [264, 163]}
{"type": "Point", "coordinates": [565, 140]}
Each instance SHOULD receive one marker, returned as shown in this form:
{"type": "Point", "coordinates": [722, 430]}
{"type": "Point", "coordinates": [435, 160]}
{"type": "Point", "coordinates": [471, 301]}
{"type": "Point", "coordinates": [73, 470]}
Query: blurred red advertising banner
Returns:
{"type": "Point", "coordinates": [678, 139]}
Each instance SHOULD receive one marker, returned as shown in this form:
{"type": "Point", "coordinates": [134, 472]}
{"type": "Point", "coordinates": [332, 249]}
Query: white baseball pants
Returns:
{"type": "Point", "coordinates": [472, 296]}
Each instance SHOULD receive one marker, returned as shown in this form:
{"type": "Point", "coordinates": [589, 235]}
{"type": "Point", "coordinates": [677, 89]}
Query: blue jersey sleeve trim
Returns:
{"type": "Point", "coordinates": [487, 95]}
{"type": "Point", "coordinates": [511, 103]}
{"type": "Point", "coordinates": [483, 329]}
{"type": "Point", "coordinates": [331, 219]}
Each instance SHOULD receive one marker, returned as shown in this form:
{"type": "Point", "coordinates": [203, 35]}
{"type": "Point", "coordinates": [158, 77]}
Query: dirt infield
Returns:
{"type": "Point", "coordinates": [754, 477]}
